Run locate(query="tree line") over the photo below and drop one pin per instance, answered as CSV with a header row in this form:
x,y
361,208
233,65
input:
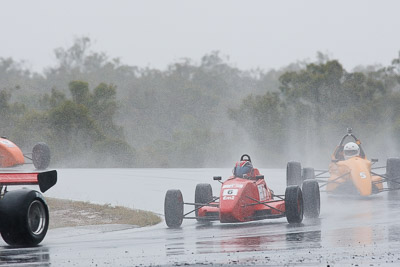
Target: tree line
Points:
x,y
94,111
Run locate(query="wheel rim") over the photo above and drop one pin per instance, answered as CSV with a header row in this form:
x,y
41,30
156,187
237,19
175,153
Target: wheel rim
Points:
x,y
36,217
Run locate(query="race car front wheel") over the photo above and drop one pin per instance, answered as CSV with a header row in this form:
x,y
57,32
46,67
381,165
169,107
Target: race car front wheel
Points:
x,y
294,204
173,208
202,195
41,156
293,173
393,173
24,217
311,198
308,173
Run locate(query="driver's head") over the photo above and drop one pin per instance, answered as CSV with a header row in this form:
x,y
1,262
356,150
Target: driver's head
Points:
x,y
350,150
242,168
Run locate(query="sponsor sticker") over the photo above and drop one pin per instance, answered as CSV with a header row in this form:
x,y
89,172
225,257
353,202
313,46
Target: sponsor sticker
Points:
x,y
233,186
230,192
228,198
262,192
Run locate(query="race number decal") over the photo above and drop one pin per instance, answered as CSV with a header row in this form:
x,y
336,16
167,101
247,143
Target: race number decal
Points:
x,y
363,175
230,192
262,192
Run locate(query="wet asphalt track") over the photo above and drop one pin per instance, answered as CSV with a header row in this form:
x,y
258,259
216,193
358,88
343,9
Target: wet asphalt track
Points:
x,y
351,231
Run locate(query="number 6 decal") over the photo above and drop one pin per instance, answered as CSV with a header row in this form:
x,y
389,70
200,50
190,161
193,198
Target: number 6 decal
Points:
x,y
230,192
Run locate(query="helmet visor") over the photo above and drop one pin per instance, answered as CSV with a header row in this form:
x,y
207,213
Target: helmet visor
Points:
x,y
351,153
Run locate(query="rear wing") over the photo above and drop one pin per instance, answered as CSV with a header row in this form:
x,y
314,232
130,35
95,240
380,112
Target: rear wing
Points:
x,y
45,180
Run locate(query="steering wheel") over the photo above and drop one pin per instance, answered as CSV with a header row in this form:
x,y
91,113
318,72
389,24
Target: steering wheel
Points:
x,y
242,158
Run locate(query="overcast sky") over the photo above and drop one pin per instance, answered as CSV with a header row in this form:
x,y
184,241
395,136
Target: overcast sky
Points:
x,y
265,34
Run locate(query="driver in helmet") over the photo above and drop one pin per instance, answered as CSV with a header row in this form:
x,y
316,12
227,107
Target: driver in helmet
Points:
x,y
350,150
245,169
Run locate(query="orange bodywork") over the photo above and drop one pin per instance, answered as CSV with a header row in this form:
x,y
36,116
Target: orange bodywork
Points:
x,y
354,172
10,154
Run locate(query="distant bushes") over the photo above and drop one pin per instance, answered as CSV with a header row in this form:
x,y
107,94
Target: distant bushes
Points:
x,y
195,114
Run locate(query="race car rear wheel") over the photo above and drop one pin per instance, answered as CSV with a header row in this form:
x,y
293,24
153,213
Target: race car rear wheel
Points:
x,y
294,204
308,173
25,217
173,208
202,195
393,173
311,198
41,156
293,173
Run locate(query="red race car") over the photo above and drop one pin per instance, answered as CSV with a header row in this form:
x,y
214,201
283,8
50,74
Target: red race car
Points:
x,y
11,155
244,197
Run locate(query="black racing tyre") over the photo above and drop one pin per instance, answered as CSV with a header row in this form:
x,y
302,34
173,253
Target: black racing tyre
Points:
x,y
24,217
41,156
393,173
311,198
294,204
293,173
173,208
308,173
202,195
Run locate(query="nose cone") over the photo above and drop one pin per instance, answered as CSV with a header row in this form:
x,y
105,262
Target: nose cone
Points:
x,y
10,154
361,175
234,201
229,206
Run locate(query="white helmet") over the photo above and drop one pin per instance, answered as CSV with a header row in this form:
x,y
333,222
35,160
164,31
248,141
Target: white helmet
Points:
x,y
351,149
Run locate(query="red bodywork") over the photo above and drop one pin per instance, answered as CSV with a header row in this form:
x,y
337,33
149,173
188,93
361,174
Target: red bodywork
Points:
x,y
18,178
242,200
45,180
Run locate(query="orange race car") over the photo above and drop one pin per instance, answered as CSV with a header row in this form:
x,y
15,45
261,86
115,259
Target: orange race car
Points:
x,y
350,171
11,155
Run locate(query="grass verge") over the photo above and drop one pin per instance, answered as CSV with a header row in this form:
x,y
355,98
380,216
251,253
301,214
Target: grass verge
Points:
x,y
67,213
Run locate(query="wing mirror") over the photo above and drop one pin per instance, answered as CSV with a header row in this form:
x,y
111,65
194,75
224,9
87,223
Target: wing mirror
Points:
x,y
335,160
258,177
374,160
217,178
